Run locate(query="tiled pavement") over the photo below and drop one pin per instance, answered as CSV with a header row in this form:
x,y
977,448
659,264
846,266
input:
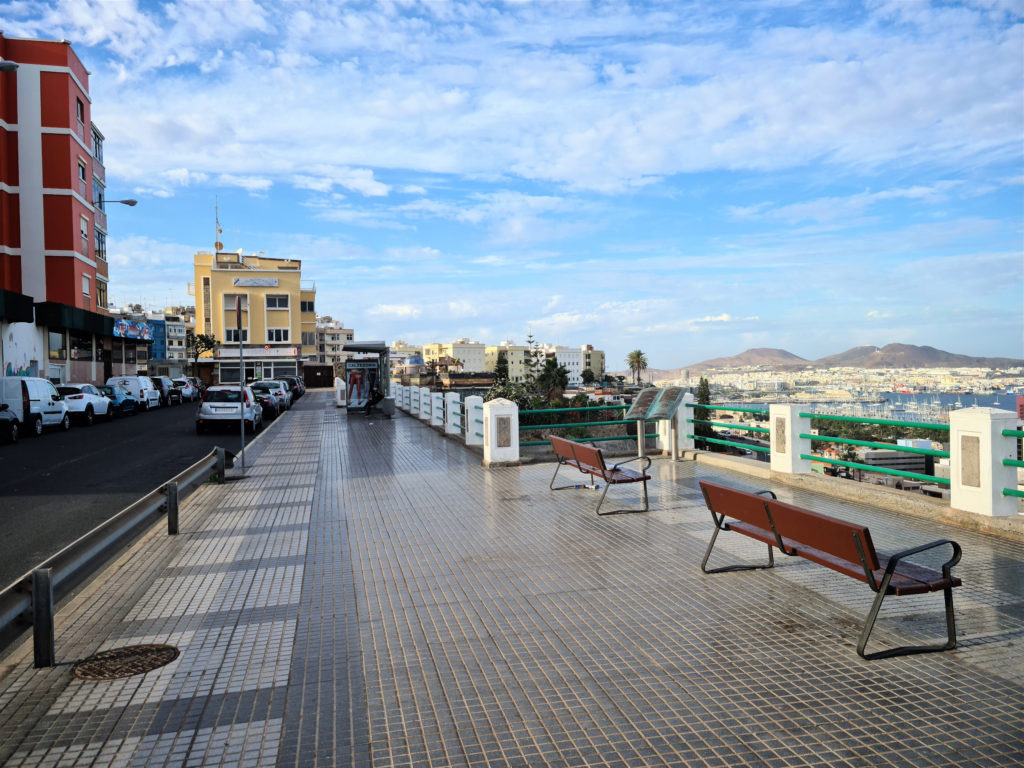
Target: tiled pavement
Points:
x,y
369,595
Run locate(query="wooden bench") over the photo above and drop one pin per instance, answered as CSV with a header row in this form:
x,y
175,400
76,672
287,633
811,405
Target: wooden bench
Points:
x,y
844,547
590,461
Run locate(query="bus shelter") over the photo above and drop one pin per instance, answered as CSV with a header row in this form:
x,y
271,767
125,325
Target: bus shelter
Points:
x,y
368,377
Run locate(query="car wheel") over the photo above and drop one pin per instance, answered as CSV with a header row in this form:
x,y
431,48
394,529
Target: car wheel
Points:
x,y
109,415
37,426
65,423
145,405
89,417
12,431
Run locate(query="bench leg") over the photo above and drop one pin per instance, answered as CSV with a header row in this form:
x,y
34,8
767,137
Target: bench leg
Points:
x,y
907,650
551,485
726,568
621,511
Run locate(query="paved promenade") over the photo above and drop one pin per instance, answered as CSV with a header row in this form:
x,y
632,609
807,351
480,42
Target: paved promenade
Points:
x,y
369,595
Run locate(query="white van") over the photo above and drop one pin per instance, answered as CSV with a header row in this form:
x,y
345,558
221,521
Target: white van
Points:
x,y
34,402
139,387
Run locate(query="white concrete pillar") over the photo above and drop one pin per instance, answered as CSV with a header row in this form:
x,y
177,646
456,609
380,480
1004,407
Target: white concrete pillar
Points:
x,y
407,398
786,426
452,413
682,442
339,392
437,409
472,412
977,448
501,432
424,412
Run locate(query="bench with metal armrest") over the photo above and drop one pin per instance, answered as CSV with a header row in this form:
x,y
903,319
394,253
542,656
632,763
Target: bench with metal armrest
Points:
x,y
590,461
844,547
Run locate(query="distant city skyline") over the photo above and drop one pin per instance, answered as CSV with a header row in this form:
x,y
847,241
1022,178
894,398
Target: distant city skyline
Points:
x,y
693,180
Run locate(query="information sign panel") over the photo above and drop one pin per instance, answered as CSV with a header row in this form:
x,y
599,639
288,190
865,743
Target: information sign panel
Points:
x,y
641,403
668,402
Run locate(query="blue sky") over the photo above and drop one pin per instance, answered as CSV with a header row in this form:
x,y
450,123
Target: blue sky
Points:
x,y
690,179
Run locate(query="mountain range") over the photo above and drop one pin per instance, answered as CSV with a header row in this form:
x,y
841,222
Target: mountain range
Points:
x,y
889,356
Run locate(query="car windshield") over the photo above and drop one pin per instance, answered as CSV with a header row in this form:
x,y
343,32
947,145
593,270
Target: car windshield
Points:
x,y
263,387
222,396
179,382
68,390
105,390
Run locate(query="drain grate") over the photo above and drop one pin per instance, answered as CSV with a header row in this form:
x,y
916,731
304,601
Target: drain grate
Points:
x,y
124,662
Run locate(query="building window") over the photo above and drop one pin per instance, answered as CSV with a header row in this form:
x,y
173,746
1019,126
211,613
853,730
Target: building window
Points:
x,y
85,286
229,300
57,350
306,306
308,339
83,226
101,294
98,195
81,347
101,245
83,180
277,302
231,335
97,145
277,334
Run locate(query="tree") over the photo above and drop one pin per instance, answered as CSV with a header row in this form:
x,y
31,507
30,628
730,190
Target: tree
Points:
x,y
501,368
196,344
703,414
533,361
588,376
637,362
552,380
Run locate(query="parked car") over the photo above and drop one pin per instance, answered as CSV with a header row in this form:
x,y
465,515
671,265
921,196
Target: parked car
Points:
x,y
300,385
121,402
169,394
278,389
199,385
85,403
221,406
188,391
9,430
292,383
271,408
139,387
35,403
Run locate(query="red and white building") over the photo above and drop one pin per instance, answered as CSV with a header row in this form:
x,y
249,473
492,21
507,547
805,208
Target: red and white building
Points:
x,y
53,227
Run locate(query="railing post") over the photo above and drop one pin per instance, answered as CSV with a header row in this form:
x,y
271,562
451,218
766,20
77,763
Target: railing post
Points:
x,y
786,425
424,412
43,646
501,432
451,413
221,465
172,509
437,409
976,452
471,411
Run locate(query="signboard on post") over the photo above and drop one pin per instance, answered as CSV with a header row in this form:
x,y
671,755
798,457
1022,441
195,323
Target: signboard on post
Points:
x,y
642,403
668,402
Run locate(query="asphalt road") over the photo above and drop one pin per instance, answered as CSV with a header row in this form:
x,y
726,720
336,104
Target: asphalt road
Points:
x,y
56,487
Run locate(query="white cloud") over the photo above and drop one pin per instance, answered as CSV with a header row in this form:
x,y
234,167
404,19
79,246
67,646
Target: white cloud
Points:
x,y
462,308
251,184
394,310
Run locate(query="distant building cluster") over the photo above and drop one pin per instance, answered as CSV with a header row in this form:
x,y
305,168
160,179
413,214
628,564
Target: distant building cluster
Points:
x,y
466,356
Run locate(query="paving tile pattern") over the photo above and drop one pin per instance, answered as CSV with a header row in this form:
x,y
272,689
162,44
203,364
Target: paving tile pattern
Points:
x,y
370,596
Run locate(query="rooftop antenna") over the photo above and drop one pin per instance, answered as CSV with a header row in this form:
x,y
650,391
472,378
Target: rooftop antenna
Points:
x,y
218,245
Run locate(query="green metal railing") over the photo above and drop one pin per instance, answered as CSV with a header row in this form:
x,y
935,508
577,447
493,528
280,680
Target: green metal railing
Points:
x,y
871,444
571,425
731,443
1013,463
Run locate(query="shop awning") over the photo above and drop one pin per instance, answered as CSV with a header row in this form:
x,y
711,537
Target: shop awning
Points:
x,y
61,316
15,307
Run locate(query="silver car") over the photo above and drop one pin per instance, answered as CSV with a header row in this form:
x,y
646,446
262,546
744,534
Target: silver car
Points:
x,y
221,406
278,390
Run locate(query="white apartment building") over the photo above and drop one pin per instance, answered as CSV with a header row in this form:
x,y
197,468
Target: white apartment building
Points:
x,y
176,327
331,336
570,358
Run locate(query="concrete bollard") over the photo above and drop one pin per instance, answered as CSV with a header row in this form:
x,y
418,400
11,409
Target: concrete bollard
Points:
x,y
43,646
977,448
501,432
786,425
424,412
452,413
472,413
172,509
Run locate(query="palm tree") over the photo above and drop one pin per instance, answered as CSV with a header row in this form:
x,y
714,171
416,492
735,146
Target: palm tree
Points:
x,y
637,362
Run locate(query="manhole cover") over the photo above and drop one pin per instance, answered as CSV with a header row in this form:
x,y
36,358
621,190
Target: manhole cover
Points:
x,y
125,662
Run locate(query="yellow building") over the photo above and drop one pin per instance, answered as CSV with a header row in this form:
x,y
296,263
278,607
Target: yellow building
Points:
x,y
278,314
515,355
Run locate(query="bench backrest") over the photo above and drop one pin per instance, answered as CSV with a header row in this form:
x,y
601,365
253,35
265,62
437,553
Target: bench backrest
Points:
x,y
825,540
734,503
583,454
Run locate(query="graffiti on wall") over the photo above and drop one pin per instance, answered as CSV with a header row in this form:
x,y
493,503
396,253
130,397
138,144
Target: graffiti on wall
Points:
x,y
22,344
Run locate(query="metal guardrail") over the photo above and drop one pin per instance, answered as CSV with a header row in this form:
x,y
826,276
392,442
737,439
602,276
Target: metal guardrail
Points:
x,y
58,576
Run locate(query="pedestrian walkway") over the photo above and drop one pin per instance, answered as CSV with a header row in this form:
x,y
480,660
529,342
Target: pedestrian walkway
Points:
x,y
369,595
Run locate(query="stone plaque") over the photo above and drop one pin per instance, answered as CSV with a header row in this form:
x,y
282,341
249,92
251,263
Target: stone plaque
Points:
x,y
504,431
970,461
780,434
